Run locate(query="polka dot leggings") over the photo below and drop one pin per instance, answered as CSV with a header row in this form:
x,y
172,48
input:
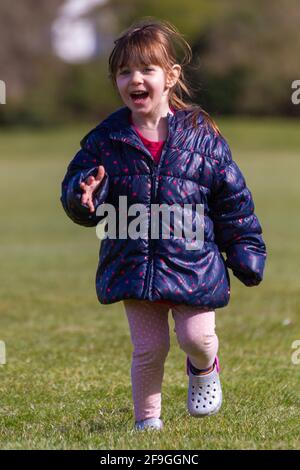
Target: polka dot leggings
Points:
x,y
149,330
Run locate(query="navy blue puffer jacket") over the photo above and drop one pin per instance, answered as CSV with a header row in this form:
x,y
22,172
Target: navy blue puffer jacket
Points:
x,y
196,167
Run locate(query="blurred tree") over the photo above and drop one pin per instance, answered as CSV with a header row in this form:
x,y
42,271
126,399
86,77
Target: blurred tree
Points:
x,y
251,58
25,41
245,57
191,18
42,89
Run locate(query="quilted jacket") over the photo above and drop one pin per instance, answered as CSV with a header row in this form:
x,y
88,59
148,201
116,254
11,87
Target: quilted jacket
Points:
x,y
196,167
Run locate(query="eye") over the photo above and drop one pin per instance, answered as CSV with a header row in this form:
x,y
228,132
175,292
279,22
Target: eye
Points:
x,y
123,72
149,69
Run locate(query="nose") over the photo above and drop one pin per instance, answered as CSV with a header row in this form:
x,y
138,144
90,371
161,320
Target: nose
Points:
x,y
136,77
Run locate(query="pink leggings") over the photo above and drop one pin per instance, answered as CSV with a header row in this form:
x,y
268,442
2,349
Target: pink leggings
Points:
x,y
149,330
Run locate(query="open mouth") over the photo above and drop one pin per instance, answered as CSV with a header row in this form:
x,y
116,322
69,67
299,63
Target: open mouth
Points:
x,y
139,96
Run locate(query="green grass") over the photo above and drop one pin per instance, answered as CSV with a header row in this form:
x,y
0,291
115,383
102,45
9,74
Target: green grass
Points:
x,y
66,383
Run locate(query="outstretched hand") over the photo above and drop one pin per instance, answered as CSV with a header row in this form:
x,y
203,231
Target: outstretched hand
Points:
x,y
90,186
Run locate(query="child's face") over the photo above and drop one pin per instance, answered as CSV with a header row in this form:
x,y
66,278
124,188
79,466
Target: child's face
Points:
x,y
151,80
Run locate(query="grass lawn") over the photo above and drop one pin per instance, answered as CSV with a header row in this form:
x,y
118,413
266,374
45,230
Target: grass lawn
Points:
x,y
66,383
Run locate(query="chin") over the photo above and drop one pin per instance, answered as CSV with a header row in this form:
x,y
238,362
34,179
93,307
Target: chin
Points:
x,y
140,111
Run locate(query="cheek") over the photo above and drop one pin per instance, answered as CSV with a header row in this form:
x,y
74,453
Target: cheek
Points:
x,y
120,86
158,85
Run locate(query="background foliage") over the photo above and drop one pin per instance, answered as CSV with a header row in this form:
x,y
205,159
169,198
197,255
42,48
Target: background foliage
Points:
x,y
245,58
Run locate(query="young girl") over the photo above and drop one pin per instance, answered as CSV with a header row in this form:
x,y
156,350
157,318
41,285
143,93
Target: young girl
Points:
x,y
159,149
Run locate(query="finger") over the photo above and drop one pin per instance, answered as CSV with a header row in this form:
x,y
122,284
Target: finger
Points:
x,y
88,192
90,180
85,199
91,205
100,173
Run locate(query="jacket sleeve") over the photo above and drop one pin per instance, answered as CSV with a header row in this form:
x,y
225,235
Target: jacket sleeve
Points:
x,y
238,232
84,164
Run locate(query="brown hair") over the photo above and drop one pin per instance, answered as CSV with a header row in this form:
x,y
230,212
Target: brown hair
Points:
x,y
151,41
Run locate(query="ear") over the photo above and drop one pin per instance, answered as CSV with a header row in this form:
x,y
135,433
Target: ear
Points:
x,y
173,76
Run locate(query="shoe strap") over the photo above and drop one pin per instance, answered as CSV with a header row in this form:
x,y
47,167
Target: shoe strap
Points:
x,y
217,363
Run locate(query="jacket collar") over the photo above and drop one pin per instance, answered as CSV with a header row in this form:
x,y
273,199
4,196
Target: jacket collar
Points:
x,y
120,127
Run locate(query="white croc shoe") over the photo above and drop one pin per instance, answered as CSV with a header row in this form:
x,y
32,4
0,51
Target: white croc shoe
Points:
x,y
150,423
205,392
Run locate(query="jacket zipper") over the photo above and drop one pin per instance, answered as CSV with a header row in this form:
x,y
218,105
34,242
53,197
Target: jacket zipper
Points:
x,y
154,187
153,175
155,169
